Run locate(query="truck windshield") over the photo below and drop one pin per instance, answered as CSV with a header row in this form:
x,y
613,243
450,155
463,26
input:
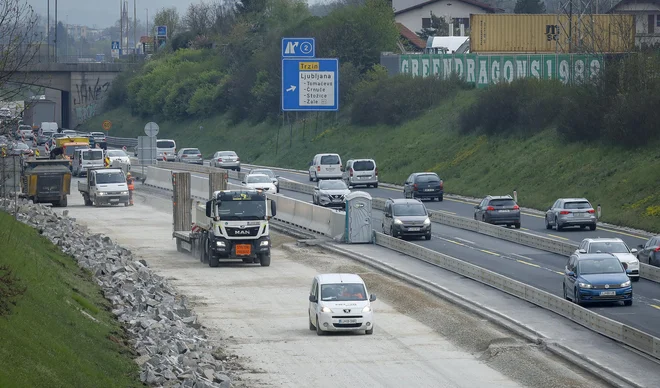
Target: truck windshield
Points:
x,y
110,177
70,150
242,210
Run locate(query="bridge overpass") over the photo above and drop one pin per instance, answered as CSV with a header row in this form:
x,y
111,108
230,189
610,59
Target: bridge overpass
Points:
x,y
83,87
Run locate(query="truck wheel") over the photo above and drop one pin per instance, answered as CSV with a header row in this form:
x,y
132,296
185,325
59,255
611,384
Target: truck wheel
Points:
x,y
88,202
63,202
214,261
264,259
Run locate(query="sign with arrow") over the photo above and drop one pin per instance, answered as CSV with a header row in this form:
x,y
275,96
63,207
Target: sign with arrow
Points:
x,y
310,84
298,48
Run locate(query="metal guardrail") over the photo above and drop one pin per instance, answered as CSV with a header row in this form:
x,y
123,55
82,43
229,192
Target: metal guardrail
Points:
x,y
121,141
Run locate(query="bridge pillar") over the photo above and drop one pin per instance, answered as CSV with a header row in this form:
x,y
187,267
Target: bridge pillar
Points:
x,y
89,90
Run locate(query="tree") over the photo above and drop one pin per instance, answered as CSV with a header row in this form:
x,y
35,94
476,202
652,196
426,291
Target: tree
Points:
x,y
439,27
198,18
19,45
530,6
246,7
168,17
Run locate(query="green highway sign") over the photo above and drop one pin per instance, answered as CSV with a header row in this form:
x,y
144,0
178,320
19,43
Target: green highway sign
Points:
x,y
484,70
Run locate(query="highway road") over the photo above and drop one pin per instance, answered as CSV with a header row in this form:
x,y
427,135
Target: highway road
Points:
x,y
535,267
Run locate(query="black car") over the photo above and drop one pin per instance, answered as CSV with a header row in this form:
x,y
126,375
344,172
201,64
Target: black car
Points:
x,y
498,210
424,185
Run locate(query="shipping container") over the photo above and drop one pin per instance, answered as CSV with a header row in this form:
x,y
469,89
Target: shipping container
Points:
x,y
549,33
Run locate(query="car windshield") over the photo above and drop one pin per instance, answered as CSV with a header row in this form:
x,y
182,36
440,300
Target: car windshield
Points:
x,y
242,210
92,155
502,202
97,134
269,173
21,146
330,159
332,185
25,128
343,292
165,144
363,165
110,177
577,205
258,179
226,154
117,154
192,151
600,266
408,210
608,247
70,150
427,178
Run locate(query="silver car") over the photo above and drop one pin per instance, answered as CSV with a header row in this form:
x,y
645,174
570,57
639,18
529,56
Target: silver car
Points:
x,y
274,178
330,193
360,172
227,160
571,212
190,155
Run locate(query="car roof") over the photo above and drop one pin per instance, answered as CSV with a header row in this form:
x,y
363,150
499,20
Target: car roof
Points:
x,y
403,201
499,197
189,148
219,152
603,239
416,174
259,169
593,256
259,175
574,199
360,159
328,278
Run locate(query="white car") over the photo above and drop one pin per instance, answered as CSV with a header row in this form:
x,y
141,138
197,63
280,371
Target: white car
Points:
x,y
259,182
618,248
119,159
339,302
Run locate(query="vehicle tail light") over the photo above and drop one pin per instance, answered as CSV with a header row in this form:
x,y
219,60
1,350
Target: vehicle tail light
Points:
x,y
219,159
184,155
415,187
376,171
350,171
490,208
564,212
657,249
237,159
318,168
516,207
199,155
442,184
592,211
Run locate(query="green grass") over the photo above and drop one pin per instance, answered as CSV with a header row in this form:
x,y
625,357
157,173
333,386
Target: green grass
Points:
x,y
46,340
542,168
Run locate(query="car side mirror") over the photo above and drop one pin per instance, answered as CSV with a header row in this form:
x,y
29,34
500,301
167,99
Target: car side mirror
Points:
x,y
316,188
388,215
273,208
342,169
372,298
570,273
634,250
640,246
312,298
476,206
310,164
582,251
278,176
209,205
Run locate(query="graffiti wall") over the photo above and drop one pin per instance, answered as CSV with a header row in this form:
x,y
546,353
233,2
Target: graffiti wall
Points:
x,y
88,94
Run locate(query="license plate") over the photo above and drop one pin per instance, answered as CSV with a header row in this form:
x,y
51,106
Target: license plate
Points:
x,y
243,249
429,190
505,211
329,169
607,293
580,214
414,229
114,200
347,321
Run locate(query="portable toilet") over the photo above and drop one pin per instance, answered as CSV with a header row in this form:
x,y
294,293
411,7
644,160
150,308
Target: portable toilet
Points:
x,y
358,218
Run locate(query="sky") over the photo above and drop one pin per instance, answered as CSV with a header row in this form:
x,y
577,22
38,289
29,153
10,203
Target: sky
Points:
x,y
104,13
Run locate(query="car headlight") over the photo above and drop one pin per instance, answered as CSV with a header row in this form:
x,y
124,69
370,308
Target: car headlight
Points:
x,y
625,284
585,285
101,193
124,193
427,221
326,310
397,221
366,309
264,243
220,243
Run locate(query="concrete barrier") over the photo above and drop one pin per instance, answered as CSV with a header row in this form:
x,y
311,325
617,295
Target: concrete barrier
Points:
x,y
593,321
159,178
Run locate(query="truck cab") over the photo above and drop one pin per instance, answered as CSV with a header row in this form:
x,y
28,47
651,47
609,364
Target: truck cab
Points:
x,y
86,158
104,186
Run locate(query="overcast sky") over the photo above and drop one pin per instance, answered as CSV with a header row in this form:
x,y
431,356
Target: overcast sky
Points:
x,y
104,13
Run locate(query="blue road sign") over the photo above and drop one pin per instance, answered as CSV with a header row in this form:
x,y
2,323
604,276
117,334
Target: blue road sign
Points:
x,y
310,84
115,45
298,48
161,31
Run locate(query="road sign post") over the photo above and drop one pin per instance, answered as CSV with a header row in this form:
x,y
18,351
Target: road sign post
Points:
x,y
298,48
310,84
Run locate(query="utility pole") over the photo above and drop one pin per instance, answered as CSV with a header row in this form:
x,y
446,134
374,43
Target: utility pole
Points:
x,y
48,27
56,31
134,26
147,34
121,28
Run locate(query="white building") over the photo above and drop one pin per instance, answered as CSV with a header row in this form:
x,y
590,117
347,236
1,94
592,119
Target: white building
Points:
x,y
416,14
647,19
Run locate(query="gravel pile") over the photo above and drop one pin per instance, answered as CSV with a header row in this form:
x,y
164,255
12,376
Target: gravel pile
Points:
x,y
173,351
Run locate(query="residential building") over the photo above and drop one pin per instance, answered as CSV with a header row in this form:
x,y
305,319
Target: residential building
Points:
x,y
647,19
416,14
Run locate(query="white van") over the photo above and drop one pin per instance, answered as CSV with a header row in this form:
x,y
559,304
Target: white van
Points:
x,y
361,172
325,166
166,150
48,127
339,302
84,159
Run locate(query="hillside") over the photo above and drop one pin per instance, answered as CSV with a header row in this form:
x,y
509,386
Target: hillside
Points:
x,y
541,166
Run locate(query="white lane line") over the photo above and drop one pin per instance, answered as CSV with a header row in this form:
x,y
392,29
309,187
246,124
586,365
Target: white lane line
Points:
x,y
522,257
464,240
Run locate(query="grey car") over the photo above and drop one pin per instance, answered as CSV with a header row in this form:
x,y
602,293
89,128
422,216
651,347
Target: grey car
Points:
x,y
227,160
498,210
330,193
360,172
406,217
274,178
571,212
650,252
190,155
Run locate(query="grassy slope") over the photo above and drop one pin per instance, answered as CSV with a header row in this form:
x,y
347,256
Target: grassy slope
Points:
x,y
46,341
541,168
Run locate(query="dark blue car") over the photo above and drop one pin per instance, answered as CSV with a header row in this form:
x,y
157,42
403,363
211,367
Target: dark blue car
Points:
x,y
596,277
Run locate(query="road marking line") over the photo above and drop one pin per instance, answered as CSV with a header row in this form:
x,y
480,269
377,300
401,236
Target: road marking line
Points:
x,y
624,233
560,237
533,215
531,264
464,240
655,306
561,273
523,257
489,252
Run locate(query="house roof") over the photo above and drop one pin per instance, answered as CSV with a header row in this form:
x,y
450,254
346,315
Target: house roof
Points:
x,y
476,3
411,36
622,2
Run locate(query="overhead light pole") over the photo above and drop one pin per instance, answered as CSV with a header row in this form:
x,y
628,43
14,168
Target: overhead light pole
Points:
x,y
48,28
